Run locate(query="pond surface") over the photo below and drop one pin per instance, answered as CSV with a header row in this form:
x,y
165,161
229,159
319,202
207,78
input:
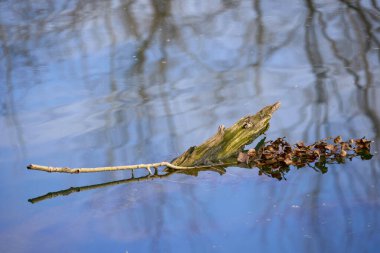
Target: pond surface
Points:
x,y
96,83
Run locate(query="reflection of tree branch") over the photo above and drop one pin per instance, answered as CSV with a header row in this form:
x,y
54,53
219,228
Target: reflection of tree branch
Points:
x,y
346,63
130,19
316,64
161,13
369,110
260,34
363,51
132,179
313,53
375,5
71,190
365,22
9,103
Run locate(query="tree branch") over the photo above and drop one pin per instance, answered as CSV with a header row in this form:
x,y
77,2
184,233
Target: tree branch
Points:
x,y
219,150
123,167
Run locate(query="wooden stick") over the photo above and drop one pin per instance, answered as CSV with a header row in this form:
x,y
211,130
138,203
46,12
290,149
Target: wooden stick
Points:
x,y
114,168
218,150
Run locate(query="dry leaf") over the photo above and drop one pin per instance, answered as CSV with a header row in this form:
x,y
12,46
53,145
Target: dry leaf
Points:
x,y
242,157
275,157
288,161
251,152
338,139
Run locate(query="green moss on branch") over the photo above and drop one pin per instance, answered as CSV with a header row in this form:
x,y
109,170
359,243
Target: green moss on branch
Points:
x,y
228,142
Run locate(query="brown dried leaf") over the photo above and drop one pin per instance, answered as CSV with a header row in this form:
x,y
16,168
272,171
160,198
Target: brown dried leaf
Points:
x,y
268,156
345,146
300,144
251,152
288,161
338,139
242,157
276,156
271,161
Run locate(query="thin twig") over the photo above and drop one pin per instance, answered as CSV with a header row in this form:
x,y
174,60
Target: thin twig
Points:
x,y
132,179
114,168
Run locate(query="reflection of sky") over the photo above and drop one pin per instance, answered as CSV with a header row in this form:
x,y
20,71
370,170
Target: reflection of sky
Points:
x,y
100,83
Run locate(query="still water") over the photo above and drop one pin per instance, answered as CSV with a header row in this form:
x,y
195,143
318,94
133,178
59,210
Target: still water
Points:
x,y
96,83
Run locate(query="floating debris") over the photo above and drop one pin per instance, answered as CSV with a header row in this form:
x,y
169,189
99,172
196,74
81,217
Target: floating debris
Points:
x,y
274,158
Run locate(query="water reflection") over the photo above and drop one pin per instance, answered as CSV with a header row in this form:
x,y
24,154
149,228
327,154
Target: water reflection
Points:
x,y
94,83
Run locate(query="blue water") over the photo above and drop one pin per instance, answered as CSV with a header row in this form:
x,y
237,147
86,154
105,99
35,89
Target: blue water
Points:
x,y
97,83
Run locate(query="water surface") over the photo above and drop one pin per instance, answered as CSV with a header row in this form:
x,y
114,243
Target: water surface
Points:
x,y
96,83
